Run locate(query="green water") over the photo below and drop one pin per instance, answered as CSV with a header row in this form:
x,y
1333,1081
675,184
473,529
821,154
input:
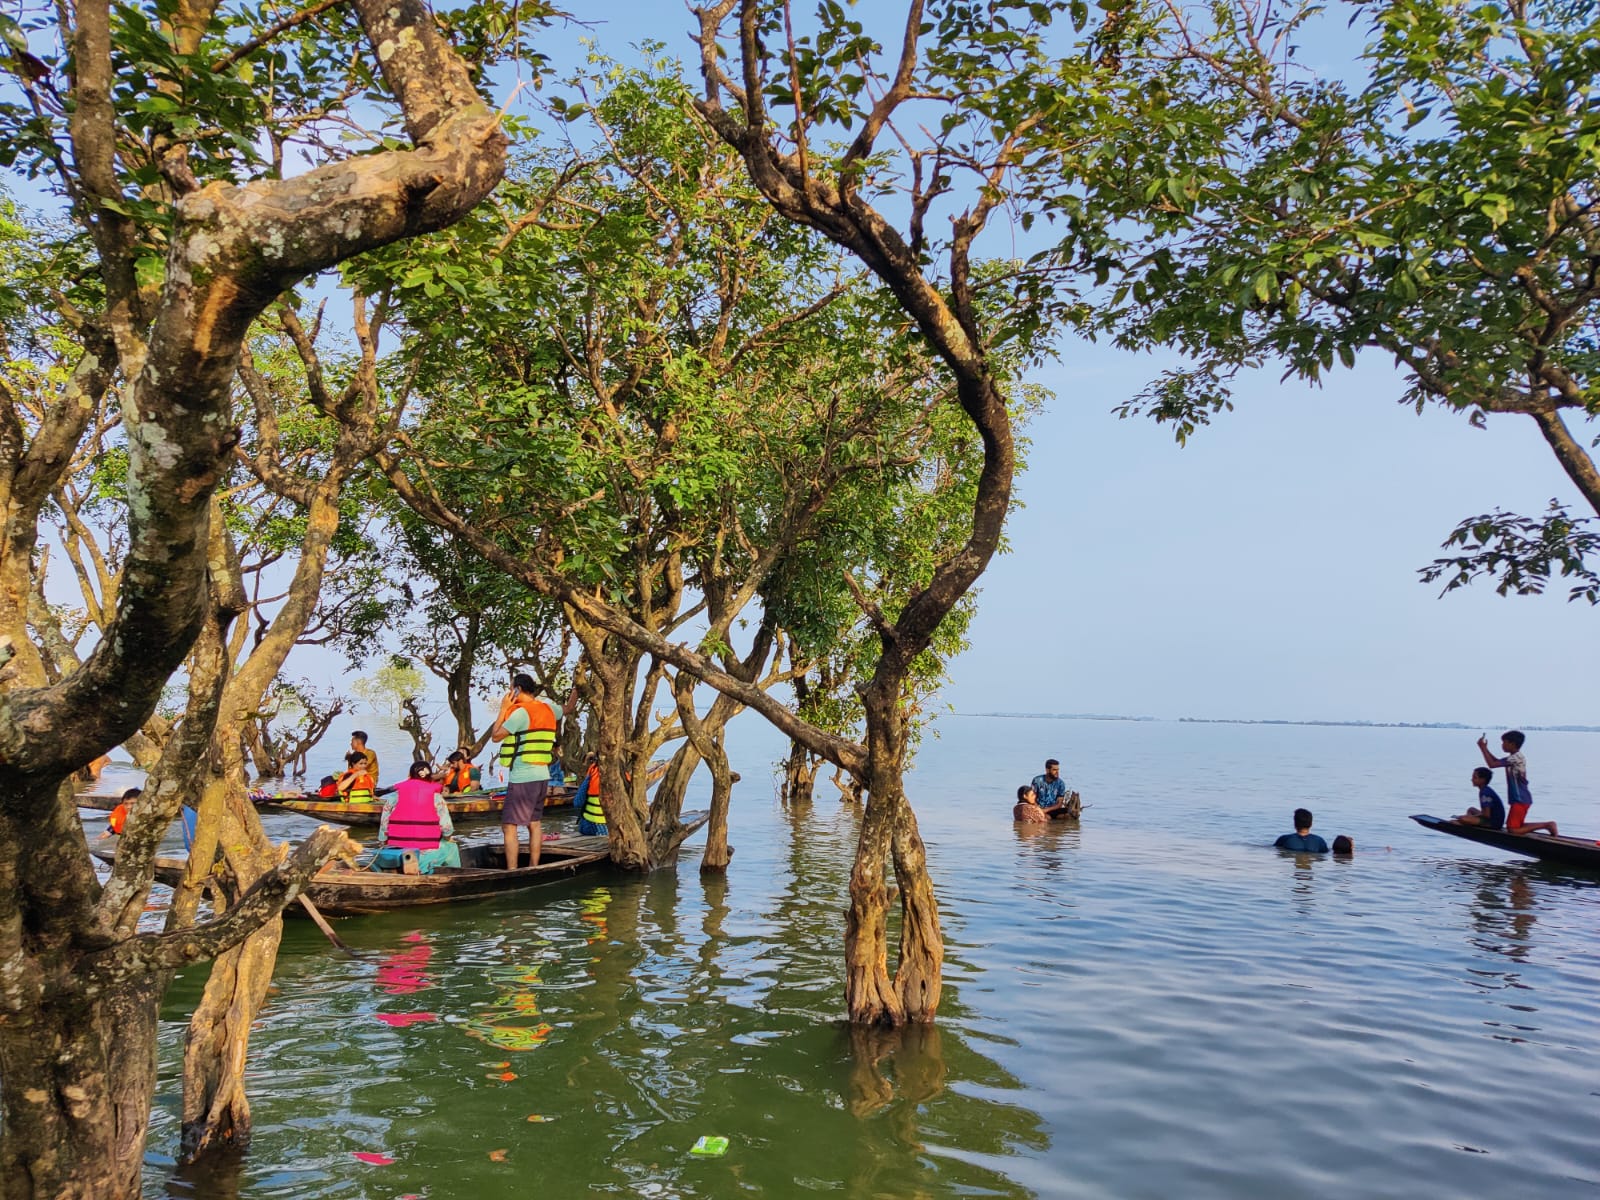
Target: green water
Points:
x,y
1154,1005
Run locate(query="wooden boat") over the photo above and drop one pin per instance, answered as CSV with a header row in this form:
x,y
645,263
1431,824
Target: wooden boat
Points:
x,y
97,802
342,891
1573,852
468,806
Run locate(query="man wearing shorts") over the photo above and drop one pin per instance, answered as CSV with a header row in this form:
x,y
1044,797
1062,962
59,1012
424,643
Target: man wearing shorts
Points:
x,y
526,731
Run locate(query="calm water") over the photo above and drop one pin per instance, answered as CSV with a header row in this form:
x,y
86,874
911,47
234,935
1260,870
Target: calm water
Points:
x,y
1154,1005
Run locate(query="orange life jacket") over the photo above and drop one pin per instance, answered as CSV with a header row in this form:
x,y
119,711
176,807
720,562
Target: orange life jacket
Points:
x,y
362,790
119,818
536,745
458,777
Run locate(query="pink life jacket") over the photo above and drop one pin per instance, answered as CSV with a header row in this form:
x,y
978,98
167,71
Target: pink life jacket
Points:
x,y
414,824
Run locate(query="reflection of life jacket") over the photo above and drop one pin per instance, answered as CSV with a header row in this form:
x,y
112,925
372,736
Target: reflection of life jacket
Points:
x,y
458,777
119,818
536,746
414,822
592,811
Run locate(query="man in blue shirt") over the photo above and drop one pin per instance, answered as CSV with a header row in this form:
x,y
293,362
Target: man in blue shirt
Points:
x,y
1302,840
1050,788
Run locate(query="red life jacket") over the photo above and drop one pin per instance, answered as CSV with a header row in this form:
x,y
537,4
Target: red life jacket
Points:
x,y
414,823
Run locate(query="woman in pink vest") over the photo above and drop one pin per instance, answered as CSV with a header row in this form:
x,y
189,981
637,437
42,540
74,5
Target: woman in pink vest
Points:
x,y
415,828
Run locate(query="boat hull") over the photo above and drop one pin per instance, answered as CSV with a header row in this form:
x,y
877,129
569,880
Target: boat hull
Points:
x,y
1572,852
342,891
483,806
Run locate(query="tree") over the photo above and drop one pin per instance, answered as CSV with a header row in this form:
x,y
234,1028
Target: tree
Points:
x,y
148,127
1437,204
619,442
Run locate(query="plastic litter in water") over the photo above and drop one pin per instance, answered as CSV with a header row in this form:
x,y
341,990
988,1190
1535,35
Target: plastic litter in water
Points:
x,y
710,1147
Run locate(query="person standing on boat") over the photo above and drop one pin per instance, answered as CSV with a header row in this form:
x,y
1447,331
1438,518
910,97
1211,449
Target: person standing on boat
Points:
x,y
415,829
358,745
1518,797
526,732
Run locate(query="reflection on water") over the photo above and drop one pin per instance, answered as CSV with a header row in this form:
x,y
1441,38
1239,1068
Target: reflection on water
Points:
x,y
1146,1005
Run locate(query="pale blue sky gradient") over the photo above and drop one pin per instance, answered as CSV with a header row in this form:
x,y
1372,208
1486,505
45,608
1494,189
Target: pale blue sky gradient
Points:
x,y
1268,569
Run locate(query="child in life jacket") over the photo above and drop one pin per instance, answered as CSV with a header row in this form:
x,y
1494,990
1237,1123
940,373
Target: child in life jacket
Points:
x,y
119,815
356,785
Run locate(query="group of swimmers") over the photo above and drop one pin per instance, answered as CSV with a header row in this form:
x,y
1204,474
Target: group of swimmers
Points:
x,y
1047,798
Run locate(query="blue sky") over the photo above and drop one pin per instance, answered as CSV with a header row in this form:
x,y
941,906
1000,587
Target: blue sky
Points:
x,y
1268,569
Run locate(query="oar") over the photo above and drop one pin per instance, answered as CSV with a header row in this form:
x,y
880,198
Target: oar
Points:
x,y
322,924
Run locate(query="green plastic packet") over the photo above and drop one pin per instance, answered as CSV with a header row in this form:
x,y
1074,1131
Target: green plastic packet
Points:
x,y
710,1147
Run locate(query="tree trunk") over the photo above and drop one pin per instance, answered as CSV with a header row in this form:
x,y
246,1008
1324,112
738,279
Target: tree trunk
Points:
x,y
216,1111
889,834
458,684
76,1129
718,853
799,774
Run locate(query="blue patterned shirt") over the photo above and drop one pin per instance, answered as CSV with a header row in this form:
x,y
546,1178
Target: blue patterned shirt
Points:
x,y
1050,792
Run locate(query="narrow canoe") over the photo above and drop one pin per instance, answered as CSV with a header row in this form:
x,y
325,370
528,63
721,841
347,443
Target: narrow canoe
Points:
x,y
1575,852
342,891
468,806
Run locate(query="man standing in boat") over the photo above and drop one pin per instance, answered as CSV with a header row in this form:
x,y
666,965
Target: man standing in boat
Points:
x,y
526,732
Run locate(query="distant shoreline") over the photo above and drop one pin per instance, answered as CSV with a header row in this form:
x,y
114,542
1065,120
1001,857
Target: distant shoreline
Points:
x,y
1275,721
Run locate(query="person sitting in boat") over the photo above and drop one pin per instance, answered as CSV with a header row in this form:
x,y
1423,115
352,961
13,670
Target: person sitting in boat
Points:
x,y
1490,811
1302,840
328,789
1518,797
1027,810
591,815
460,775
356,784
358,745
119,815
415,830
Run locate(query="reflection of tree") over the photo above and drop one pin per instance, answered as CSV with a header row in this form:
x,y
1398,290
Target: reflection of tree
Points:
x,y
916,1056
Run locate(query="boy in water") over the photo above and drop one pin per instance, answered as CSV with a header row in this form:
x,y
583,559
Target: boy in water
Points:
x,y
1517,794
1490,811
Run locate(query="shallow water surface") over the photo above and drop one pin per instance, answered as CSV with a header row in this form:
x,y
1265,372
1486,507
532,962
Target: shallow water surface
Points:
x,y
1151,1005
